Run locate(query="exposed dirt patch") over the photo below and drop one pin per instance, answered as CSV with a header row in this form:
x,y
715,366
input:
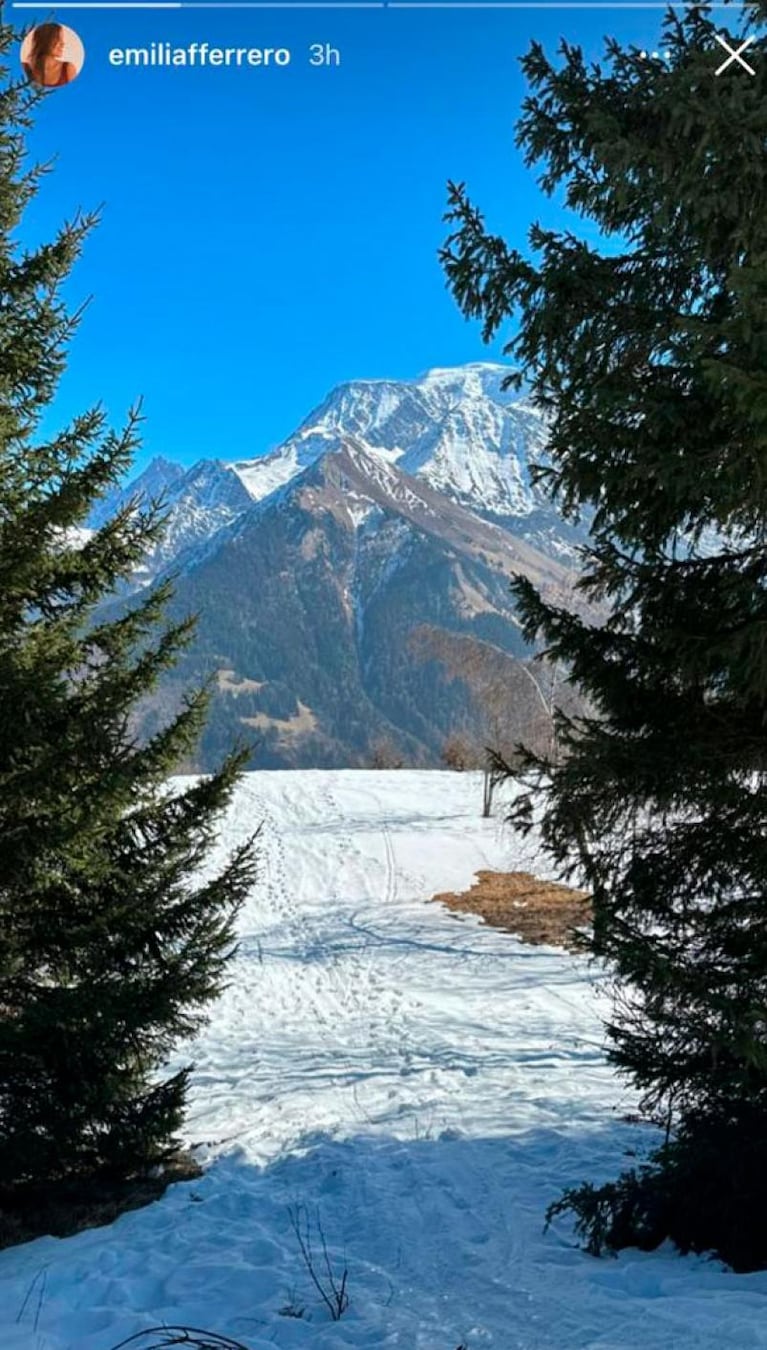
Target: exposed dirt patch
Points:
x,y
535,911
303,722
229,682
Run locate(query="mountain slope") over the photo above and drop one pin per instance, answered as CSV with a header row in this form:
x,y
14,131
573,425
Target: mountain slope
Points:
x,y
315,604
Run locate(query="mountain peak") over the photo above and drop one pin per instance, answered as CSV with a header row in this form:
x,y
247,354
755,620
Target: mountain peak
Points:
x,y
456,430
456,427
154,481
484,371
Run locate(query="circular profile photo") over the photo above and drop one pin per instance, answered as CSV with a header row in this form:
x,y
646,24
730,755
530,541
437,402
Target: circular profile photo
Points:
x,y
52,55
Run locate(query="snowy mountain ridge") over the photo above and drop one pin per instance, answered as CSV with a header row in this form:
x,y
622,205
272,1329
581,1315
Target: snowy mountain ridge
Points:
x,y
456,429
198,503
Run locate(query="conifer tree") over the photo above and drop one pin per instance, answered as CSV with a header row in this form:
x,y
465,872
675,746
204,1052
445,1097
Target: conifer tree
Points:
x,y
649,355
110,944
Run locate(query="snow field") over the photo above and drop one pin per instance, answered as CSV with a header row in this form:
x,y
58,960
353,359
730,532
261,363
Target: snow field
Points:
x,y
422,1084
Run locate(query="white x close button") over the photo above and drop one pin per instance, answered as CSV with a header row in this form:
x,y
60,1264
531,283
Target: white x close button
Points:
x,y
735,54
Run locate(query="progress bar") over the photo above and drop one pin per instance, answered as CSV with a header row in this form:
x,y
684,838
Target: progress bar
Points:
x,y
606,5
202,4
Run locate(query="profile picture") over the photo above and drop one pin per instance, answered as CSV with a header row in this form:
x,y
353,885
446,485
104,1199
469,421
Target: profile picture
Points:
x,y
52,55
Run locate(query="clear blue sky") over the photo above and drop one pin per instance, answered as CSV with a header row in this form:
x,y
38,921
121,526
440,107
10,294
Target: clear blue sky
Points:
x,y
268,234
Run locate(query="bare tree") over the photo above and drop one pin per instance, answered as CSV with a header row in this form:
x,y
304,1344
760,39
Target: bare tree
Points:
x,y
385,755
513,702
458,753
330,1287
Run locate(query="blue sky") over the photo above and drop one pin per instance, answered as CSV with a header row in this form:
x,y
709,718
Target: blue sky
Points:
x,y
267,234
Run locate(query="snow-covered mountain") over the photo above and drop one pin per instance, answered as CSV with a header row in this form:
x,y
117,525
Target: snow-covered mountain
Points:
x,y
458,429
198,503
353,587
208,497
156,481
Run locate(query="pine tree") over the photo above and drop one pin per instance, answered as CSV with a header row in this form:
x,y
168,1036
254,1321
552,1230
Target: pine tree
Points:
x,y
649,354
110,944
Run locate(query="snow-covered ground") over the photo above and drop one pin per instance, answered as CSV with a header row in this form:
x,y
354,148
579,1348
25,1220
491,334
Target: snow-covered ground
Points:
x,y
423,1084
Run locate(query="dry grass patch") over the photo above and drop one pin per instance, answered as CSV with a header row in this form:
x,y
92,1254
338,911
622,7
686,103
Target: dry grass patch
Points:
x,y
535,911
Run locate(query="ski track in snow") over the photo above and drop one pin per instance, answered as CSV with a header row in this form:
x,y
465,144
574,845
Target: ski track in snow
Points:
x,y
424,1083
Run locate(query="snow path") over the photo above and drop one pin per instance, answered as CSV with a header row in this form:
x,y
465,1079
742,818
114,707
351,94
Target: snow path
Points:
x,y
426,1084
